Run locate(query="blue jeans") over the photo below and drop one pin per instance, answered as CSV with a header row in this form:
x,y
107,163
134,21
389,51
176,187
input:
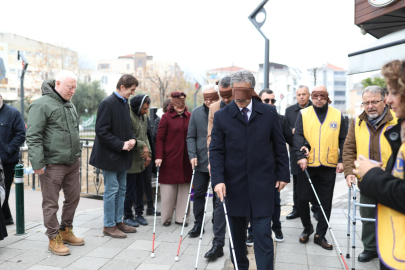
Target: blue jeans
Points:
x,y
115,184
276,214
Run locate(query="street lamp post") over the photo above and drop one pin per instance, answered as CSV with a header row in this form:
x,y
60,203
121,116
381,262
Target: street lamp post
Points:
x,y
258,18
24,69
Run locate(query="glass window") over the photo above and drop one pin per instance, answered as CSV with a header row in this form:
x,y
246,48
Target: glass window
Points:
x,y
13,51
340,93
140,63
340,102
128,66
213,76
359,93
340,83
104,80
339,73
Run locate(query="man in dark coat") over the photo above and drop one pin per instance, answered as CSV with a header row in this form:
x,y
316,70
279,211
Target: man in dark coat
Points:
x,y
112,153
242,167
12,136
291,113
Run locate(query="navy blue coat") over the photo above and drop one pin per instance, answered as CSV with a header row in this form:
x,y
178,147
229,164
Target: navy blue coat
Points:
x,y
241,157
12,133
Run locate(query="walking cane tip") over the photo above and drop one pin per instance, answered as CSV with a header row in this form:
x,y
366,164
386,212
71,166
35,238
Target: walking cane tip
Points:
x,y
177,258
152,255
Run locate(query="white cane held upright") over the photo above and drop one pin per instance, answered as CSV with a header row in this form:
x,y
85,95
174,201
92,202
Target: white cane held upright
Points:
x,y
154,218
203,223
185,216
230,235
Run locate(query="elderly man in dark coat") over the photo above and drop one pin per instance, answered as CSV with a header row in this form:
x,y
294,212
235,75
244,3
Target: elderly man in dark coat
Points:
x,y
242,167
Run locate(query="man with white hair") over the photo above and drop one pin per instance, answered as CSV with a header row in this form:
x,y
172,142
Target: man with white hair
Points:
x,y
197,152
54,151
366,138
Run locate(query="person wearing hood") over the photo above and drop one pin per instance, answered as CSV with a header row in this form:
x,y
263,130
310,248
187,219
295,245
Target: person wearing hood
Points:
x,y
324,128
142,154
54,152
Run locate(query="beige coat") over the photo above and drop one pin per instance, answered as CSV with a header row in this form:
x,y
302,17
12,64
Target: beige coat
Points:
x,y
214,107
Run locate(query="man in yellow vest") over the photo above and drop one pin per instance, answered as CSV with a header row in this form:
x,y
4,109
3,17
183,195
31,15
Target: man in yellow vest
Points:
x,y
366,138
324,128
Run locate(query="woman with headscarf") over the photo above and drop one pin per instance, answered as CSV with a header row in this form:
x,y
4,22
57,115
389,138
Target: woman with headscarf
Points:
x,y
387,186
172,158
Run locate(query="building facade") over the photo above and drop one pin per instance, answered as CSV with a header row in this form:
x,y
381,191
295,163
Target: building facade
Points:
x,y
45,61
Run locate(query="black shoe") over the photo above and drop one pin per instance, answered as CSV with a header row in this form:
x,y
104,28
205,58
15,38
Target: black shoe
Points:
x,y
249,240
212,220
151,212
195,231
316,217
279,237
131,222
141,220
367,256
293,214
181,223
9,221
321,240
304,237
214,252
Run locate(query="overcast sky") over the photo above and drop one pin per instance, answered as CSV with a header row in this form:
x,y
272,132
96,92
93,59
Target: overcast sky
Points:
x,y
198,35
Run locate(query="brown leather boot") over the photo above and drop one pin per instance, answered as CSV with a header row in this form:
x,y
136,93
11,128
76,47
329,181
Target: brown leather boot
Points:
x,y
114,232
125,228
321,240
69,238
57,247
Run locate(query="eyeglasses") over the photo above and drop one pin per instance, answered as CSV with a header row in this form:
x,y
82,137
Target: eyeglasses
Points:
x,y
273,101
366,104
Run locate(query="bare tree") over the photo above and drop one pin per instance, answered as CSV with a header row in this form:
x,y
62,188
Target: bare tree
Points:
x,y
314,72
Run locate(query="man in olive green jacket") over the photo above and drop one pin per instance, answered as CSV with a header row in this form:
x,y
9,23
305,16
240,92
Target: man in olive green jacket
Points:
x,y
54,151
141,159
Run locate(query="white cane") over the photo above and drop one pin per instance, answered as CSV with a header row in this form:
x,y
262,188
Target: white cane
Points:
x,y
185,216
154,218
230,235
203,223
326,219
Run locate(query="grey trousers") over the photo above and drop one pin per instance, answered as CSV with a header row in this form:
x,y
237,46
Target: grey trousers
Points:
x,y
55,178
219,223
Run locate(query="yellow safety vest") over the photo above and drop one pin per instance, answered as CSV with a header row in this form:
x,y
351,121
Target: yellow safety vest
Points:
x,y
362,132
322,137
390,226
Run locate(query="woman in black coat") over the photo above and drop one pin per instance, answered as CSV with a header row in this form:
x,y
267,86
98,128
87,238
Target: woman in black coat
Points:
x,y
387,186
3,230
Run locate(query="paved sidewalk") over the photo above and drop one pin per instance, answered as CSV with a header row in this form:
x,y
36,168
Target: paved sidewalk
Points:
x,y
102,252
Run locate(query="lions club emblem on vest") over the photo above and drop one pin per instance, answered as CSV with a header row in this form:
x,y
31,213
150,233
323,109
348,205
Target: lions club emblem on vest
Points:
x,y
333,125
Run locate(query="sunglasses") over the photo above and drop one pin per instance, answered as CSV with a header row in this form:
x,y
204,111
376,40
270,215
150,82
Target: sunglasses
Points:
x,y
267,101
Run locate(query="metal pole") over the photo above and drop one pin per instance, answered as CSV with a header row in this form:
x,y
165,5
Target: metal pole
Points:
x,y
19,199
24,69
266,65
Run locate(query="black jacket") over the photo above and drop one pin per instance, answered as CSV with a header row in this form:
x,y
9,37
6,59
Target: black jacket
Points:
x,y
291,113
152,146
381,185
113,128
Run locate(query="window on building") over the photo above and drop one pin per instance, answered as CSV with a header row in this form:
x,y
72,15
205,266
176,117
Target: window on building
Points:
x,y
103,66
340,93
127,66
340,102
151,67
104,80
13,89
139,74
340,83
13,51
213,76
339,73
13,70
140,63
359,93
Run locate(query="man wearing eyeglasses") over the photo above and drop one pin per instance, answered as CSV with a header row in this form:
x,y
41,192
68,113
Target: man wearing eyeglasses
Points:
x,y
267,97
366,138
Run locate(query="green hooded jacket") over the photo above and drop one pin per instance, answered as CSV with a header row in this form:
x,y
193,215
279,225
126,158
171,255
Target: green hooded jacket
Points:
x,y
140,128
52,129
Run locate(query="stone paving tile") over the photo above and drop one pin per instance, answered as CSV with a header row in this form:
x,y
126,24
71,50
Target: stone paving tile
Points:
x,y
14,265
148,266
27,244
40,236
161,259
293,248
104,252
143,245
290,266
118,243
43,267
31,256
188,262
120,264
86,263
285,257
8,253
171,248
59,261
10,239
133,255
324,262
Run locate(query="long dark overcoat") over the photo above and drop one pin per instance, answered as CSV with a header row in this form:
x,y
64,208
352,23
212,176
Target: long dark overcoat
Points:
x,y
171,147
241,157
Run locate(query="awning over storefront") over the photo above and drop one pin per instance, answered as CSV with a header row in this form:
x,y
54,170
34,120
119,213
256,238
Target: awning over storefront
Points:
x,y
376,54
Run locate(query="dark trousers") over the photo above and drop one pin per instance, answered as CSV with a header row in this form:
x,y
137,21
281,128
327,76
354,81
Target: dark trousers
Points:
x,y
147,185
264,250
276,224
324,178
201,180
9,177
315,205
219,223
133,195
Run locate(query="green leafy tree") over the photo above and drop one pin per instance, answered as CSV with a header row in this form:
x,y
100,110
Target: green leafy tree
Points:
x,y
87,97
374,81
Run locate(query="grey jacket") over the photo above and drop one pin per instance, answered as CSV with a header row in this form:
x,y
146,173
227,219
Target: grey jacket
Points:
x,y
197,138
